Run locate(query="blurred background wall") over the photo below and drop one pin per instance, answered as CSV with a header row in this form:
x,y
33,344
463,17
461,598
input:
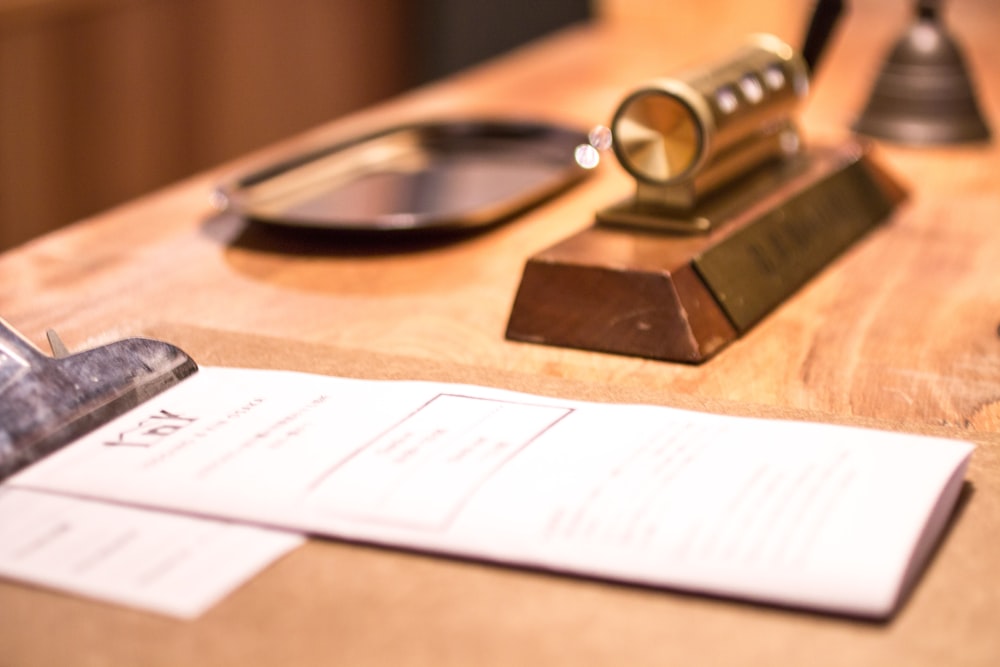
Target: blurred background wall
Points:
x,y
103,100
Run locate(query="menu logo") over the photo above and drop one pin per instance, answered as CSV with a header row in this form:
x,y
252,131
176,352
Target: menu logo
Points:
x,y
151,430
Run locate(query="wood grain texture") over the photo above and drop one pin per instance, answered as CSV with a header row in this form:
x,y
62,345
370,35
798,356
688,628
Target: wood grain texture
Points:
x,y
903,326
901,329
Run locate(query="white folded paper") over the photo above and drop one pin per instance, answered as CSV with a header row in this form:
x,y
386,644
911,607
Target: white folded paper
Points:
x,y
824,517
160,562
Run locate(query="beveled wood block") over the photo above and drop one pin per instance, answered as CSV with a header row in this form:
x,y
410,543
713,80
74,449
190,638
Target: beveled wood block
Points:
x,y
630,288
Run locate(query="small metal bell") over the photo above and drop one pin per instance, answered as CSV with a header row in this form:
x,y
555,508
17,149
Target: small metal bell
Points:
x,y
924,94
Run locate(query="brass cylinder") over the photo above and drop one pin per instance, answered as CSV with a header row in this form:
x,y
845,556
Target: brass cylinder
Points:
x,y
671,128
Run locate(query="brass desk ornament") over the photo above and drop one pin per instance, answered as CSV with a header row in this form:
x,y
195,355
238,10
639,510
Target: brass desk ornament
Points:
x,y
731,215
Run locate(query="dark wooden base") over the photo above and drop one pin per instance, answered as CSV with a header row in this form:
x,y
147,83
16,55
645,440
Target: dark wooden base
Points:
x,y
633,290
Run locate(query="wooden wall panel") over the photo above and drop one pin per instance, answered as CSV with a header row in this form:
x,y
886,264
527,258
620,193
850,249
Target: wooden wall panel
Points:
x,y
101,101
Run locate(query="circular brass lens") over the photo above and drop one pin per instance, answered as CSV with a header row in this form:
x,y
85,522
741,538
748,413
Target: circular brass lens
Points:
x,y
656,136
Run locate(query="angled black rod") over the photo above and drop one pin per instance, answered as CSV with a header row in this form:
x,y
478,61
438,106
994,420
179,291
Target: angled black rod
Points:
x,y
826,13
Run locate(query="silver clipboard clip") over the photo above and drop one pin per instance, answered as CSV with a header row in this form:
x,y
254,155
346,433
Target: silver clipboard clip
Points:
x,y
47,401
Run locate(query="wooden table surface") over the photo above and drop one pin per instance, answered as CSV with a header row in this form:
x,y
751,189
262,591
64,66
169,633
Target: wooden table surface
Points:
x,y
902,329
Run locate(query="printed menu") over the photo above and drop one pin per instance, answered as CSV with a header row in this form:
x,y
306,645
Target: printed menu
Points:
x,y
829,518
